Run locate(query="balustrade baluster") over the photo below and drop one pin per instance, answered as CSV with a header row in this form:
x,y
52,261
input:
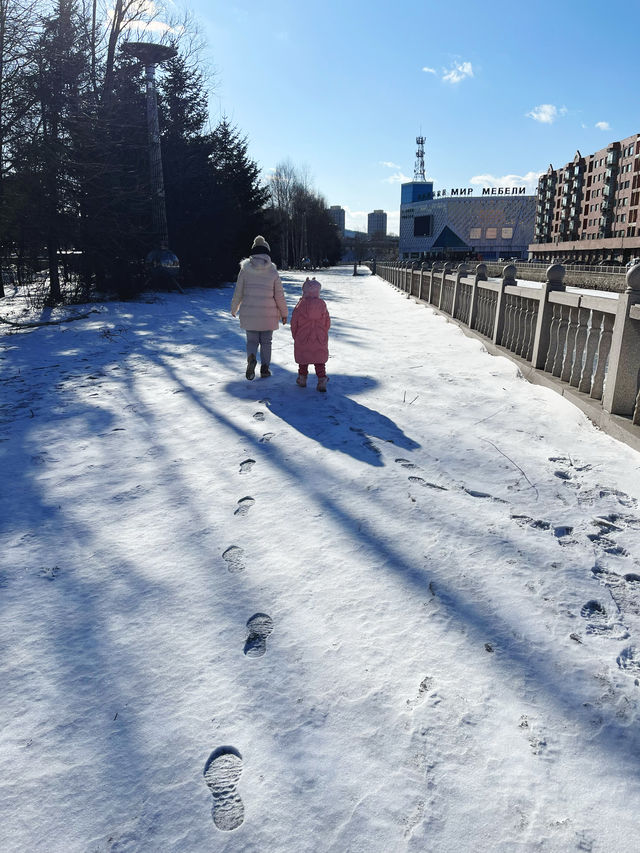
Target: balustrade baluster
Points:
x,y
493,306
603,354
572,328
562,339
532,316
518,331
553,339
507,329
581,339
593,339
482,312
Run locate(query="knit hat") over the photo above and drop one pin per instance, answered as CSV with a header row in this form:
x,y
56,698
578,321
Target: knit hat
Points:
x,y
311,287
260,247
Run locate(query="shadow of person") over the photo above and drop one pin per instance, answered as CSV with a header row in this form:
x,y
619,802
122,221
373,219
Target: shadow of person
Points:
x,y
334,420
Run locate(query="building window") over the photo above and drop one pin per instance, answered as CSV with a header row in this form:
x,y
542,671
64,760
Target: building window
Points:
x,y
507,233
475,233
423,226
491,233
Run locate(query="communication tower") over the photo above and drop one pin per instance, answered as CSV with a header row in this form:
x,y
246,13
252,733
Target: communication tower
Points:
x,y
418,169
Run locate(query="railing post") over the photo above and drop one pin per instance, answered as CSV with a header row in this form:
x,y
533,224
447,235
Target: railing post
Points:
x,y
446,269
508,278
422,266
481,275
414,267
555,281
621,384
460,272
434,267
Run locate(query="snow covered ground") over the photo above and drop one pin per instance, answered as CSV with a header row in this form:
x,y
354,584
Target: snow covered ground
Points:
x,y
446,560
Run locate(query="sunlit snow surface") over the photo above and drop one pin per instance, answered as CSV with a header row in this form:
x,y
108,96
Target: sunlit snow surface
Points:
x,y
403,615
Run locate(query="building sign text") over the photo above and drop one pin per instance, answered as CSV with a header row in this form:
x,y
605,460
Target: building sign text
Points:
x,y
485,191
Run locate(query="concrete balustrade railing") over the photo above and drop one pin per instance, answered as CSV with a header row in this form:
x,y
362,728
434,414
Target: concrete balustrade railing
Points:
x,y
588,343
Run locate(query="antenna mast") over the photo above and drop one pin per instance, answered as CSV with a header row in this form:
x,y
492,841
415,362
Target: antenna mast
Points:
x,y
418,169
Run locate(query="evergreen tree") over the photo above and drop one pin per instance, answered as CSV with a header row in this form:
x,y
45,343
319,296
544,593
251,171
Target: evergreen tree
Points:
x,y
212,188
61,75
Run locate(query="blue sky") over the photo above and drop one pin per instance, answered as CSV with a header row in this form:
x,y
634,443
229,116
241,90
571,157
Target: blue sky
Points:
x,y
497,88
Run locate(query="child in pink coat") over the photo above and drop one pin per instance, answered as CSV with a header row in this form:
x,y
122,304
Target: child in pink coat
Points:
x,y
310,324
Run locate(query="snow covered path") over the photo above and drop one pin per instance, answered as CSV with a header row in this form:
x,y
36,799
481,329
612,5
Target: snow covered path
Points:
x,y
439,564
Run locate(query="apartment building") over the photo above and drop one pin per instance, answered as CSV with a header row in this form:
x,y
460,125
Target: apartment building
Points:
x,y
588,210
338,216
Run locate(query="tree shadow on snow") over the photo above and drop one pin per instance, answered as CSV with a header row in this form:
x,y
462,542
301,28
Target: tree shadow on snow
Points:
x,y
334,420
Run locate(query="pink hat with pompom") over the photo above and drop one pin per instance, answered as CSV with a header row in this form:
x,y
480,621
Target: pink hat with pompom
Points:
x,y
311,287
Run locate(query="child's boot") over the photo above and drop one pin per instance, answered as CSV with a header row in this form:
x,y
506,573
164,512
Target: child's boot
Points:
x,y
301,380
322,383
251,366
264,370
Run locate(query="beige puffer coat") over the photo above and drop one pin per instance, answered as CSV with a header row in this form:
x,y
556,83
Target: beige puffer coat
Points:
x,y
259,295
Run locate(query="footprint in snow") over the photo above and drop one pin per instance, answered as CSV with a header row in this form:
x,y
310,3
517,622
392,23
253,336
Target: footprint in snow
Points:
x,y
562,531
425,686
222,774
419,481
267,437
537,740
629,660
244,505
233,557
599,622
621,497
259,416
405,463
562,475
569,463
260,626
591,496
475,494
526,521
367,442
50,574
608,523
247,465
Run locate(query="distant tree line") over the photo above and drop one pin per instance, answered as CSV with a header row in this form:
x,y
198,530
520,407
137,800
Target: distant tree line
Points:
x,y
300,219
74,170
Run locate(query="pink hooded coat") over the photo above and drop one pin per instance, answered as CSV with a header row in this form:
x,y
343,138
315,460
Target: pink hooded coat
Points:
x,y
310,324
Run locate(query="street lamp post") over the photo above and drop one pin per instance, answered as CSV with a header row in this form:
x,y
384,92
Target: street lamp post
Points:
x,y
161,260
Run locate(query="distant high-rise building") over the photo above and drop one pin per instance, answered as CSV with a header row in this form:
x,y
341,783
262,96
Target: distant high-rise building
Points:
x,y
337,214
377,223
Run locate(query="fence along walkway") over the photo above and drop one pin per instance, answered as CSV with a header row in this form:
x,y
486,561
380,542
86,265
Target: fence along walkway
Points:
x,y
587,346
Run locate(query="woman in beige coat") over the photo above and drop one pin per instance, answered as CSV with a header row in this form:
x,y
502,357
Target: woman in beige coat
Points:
x,y
260,298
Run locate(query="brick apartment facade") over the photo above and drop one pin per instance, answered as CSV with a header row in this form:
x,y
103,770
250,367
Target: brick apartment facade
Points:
x,y
588,210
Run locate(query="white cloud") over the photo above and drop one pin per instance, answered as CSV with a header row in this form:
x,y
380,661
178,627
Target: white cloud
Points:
x,y
397,178
145,17
459,71
603,125
355,220
546,113
429,70
389,165
530,181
